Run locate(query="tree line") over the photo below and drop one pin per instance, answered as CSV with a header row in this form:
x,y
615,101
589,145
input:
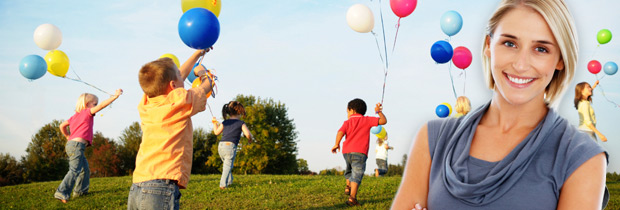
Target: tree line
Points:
x,y
274,152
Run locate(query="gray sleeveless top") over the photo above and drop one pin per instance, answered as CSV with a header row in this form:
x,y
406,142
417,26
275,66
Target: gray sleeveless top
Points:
x,y
529,177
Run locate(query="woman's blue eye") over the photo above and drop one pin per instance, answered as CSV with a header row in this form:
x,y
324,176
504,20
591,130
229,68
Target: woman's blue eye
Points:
x,y
509,44
541,49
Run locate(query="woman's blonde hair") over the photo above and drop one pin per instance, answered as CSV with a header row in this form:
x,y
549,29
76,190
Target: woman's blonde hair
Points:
x,y
562,26
83,100
463,105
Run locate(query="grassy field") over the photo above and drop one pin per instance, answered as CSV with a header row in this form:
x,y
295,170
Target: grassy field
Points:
x,y
248,192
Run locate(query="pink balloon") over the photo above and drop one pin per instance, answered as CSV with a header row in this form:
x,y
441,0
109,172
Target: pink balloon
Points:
x,y
461,57
594,67
403,8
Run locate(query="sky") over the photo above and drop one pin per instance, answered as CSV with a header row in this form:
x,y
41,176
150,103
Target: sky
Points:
x,y
301,53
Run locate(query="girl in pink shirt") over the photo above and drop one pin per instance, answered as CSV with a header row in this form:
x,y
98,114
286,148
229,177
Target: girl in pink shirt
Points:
x,y
79,137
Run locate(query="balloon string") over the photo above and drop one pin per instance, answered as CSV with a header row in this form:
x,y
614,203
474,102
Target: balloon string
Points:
x,y
610,101
379,50
77,80
464,81
384,44
210,109
396,36
452,80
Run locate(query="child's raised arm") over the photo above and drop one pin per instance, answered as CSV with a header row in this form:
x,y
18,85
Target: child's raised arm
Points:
x,y
186,68
379,111
107,102
217,127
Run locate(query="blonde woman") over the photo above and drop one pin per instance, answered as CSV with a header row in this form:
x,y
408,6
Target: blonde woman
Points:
x,y
515,152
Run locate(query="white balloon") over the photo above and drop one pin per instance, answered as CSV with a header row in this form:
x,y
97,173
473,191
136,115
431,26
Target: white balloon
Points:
x,y
47,36
360,18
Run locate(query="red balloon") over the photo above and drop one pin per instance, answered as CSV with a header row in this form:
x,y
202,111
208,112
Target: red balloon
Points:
x,y
461,57
594,67
403,8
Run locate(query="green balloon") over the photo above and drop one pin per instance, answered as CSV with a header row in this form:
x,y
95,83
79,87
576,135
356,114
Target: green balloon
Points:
x,y
603,36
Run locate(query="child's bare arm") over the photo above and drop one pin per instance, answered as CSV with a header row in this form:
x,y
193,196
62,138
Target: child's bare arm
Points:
x,y
247,133
107,102
63,129
336,147
206,81
379,111
186,68
217,127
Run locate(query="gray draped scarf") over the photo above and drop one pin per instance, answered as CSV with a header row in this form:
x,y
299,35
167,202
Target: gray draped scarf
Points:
x,y
504,174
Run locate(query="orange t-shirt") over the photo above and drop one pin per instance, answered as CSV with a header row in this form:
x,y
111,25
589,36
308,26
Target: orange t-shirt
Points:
x,y
166,148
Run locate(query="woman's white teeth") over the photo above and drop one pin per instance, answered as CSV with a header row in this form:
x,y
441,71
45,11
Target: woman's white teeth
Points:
x,y
519,80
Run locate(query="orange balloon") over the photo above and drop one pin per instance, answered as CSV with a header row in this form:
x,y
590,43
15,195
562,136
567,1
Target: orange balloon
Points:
x,y
197,83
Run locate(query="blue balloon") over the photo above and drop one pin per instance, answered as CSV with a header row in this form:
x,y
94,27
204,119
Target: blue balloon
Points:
x,y
191,77
441,51
375,130
199,28
32,67
442,111
610,68
451,22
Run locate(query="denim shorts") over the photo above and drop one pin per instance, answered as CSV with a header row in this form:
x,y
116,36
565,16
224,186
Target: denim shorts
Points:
x,y
154,194
356,165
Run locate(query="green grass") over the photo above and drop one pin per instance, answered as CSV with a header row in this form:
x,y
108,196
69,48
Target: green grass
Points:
x,y
247,192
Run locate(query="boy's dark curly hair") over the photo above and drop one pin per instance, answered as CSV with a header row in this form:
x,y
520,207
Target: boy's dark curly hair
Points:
x,y
357,105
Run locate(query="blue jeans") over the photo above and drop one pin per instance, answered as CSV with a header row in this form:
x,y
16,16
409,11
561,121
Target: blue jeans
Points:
x,y
78,175
228,152
154,194
356,165
382,166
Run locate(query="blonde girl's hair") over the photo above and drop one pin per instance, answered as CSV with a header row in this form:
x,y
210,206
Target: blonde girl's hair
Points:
x,y
380,141
560,21
578,96
463,105
83,100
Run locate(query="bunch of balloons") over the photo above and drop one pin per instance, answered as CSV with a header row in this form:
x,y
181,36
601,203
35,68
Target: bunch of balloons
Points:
x,y
56,62
361,19
610,68
451,23
199,27
378,131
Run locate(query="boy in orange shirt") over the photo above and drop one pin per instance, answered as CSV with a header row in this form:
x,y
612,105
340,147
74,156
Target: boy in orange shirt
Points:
x,y
164,160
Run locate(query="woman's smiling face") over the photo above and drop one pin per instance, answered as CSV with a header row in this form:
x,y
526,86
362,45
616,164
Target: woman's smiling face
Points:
x,y
524,56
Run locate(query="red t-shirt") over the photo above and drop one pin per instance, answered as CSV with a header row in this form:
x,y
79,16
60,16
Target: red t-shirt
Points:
x,y
81,126
357,133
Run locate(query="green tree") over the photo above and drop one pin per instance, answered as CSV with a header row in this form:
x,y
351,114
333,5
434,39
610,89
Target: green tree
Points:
x,y
11,172
46,159
130,140
302,167
102,157
203,145
275,149
397,170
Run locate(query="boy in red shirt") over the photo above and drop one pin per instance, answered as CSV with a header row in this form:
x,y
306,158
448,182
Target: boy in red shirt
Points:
x,y
355,148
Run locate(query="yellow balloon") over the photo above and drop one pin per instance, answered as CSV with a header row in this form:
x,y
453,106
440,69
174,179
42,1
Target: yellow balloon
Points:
x,y
57,63
449,108
174,58
382,133
197,82
212,5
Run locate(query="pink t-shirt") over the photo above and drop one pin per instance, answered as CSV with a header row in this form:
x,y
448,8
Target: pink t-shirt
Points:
x,y
81,126
357,133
